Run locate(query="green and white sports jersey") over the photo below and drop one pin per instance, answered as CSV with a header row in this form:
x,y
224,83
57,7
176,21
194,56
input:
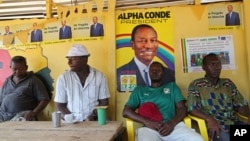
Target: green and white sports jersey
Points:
x,y
164,97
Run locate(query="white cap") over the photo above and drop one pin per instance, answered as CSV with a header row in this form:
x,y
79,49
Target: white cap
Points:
x,y
78,50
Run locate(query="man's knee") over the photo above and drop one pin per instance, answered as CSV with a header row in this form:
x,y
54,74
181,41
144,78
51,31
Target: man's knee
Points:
x,y
146,134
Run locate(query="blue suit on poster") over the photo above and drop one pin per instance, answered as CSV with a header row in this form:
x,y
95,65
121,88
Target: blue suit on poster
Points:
x,y
233,20
131,68
36,36
65,32
96,30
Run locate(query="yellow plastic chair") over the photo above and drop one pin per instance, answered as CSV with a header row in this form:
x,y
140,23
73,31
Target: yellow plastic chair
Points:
x,y
242,118
131,128
201,125
203,128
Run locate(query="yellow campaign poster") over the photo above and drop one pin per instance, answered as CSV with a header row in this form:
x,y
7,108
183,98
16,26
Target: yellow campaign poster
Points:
x,y
82,28
31,38
143,36
225,16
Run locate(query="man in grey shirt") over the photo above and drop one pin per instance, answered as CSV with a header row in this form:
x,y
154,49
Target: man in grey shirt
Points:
x,y
23,95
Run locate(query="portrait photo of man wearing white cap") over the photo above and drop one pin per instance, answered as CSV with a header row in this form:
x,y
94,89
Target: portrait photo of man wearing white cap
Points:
x,y
82,88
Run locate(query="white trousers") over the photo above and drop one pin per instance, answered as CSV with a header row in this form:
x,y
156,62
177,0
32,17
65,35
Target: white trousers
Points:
x,y
180,133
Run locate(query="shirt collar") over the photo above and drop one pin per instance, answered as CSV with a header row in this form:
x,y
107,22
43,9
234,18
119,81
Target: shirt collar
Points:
x,y
140,65
209,83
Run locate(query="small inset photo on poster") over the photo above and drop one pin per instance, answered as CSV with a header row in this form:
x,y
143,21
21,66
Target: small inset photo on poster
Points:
x,y
224,16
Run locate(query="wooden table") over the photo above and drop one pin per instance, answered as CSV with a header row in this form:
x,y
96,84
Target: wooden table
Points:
x,y
44,131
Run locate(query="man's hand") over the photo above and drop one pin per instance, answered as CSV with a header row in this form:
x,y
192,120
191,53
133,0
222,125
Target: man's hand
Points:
x,y
166,128
214,128
91,118
30,115
152,124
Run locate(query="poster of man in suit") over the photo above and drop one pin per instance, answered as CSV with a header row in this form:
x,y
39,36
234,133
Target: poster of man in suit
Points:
x,y
36,34
232,17
140,40
96,29
224,16
65,31
9,37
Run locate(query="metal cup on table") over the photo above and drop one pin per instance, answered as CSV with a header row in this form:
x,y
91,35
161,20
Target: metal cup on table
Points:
x,y
56,119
